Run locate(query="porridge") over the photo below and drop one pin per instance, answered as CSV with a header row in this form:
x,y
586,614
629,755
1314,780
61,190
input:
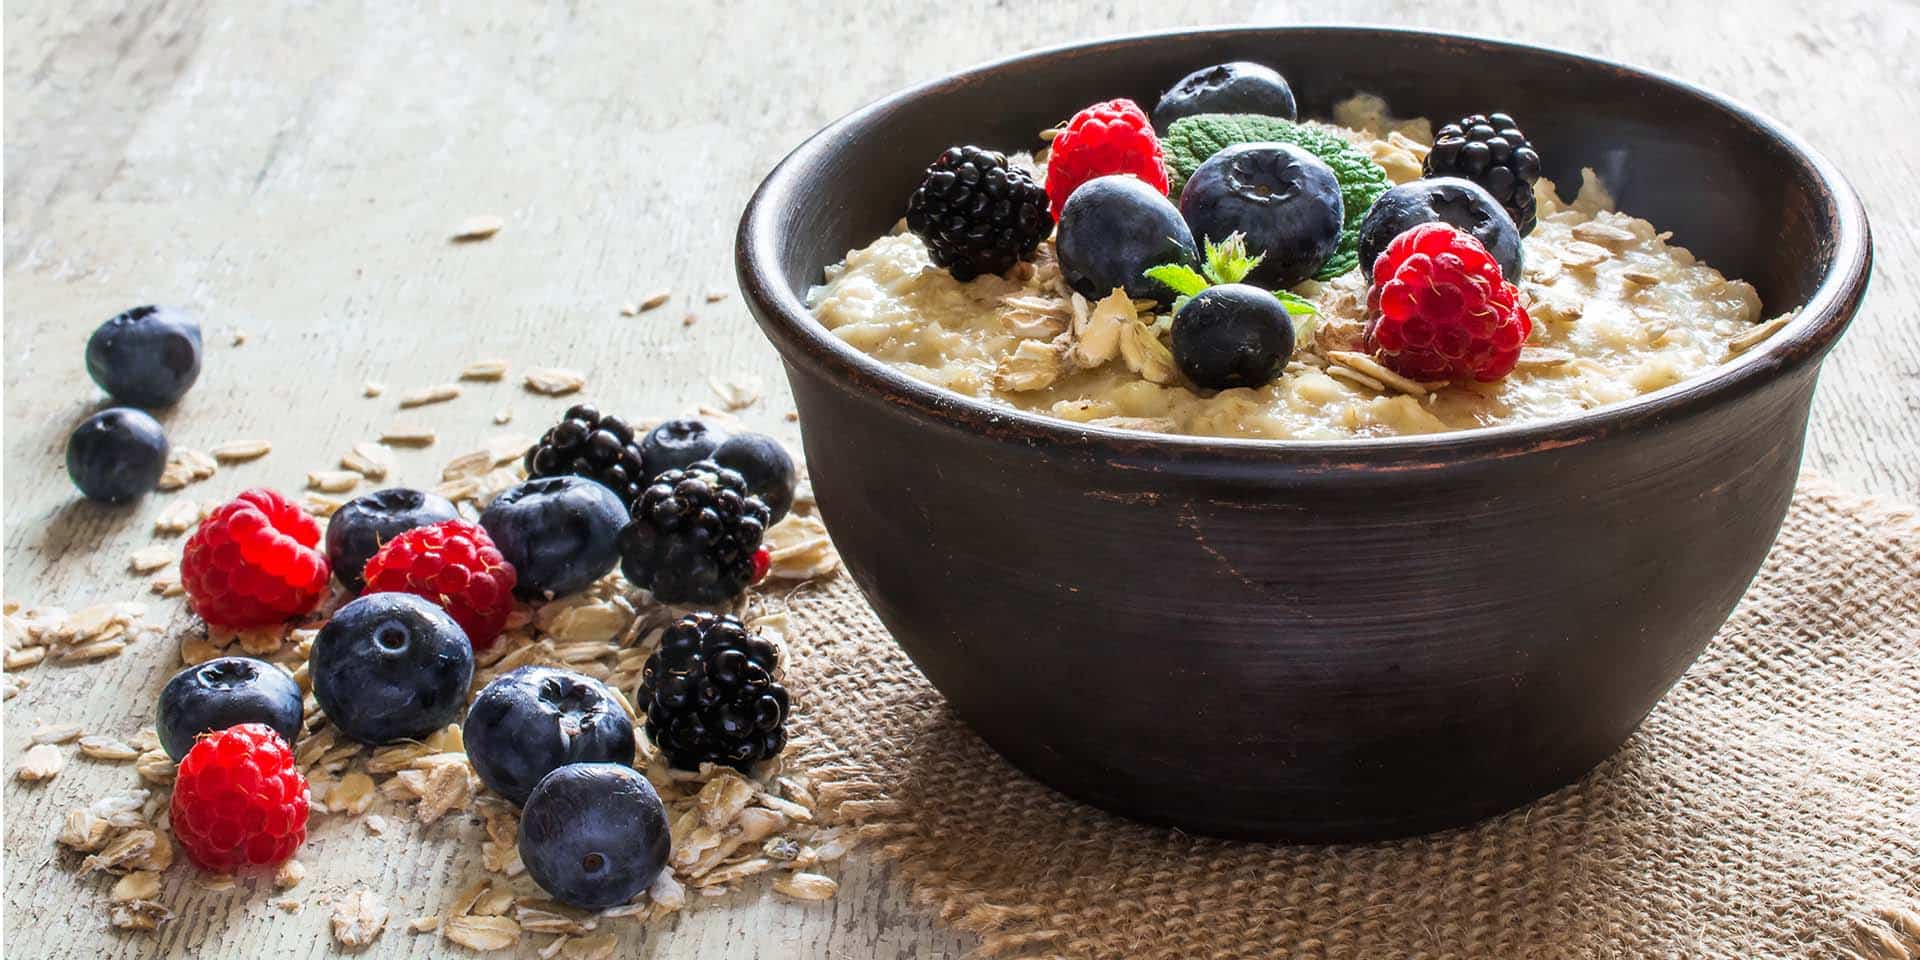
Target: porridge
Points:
x,y
1604,309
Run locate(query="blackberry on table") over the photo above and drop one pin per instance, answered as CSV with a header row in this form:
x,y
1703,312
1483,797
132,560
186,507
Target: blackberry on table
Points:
x,y
587,443
1490,150
978,214
695,536
710,695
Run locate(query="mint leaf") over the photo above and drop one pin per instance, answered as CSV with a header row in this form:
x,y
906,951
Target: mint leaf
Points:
x,y
1179,278
1227,261
1189,141
1295,303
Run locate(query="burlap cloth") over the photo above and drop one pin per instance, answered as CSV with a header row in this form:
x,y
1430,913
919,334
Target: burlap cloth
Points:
x,y
1770,807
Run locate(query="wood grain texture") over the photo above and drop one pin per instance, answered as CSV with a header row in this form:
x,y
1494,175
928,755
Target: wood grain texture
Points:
x,y
293,171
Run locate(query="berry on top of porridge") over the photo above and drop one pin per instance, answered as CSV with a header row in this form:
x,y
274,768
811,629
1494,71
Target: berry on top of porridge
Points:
x,y
1220,268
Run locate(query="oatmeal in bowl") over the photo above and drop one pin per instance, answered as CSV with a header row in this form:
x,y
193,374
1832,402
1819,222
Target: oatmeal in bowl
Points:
x,y
1271,544
1615,307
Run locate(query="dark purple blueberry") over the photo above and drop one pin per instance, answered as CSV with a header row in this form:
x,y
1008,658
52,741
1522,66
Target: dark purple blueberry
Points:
x,y
220,693
1237,87
1284,199
391,667
116,455
1232,335
676,445
766,466
593,835
533,720
1461,203
358,530
147,356
1112,229
560,533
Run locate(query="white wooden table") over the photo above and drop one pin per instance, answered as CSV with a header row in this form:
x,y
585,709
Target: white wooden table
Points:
x,y
292,171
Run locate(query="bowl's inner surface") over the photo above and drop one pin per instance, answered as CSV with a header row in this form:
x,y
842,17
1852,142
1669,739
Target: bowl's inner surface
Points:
x,y
1731,192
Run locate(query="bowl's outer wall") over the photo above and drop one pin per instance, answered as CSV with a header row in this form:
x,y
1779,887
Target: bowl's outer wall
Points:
x,y
1277,647
1303,656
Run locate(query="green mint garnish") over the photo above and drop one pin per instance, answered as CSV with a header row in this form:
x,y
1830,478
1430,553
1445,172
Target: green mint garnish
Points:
x,y
1191,140
1226,262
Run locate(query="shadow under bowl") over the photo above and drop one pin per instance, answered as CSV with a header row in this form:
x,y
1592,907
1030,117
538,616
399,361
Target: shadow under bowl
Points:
x,y
1315,641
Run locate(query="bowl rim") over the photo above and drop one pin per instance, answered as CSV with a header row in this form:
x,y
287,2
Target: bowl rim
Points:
x,y
786,320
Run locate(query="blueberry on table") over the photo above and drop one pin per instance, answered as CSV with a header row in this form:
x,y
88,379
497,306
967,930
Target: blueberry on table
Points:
x,y
1285,200
358,530
147,356
390,667
1450,200
1237,87
527,723
1232,335
224,692
676,445
116,455
766,466
593,835
1112,229
559,533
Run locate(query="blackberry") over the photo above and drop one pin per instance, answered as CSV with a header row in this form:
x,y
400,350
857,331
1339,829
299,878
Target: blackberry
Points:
x,y
1490,150
710,695
586,443
977,214
695,536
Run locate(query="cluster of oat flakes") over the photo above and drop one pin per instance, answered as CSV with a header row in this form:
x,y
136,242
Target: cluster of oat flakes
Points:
x,y
726,827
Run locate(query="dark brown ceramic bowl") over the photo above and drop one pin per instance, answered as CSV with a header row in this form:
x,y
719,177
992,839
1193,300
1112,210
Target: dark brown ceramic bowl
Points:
x,y
1297,640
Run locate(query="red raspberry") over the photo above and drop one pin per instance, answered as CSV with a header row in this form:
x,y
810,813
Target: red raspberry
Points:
x,y
239,800
762,562
1440,310
1106,138
253,562
455,564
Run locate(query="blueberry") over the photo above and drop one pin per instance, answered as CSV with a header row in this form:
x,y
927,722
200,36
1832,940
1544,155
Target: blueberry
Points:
x,y
1232,335
765,465
1286,201
391,666
1463,203
358,530
1238,87
560,533
223,692
147,356
535,719
116,454
593,835
1112,229
677,444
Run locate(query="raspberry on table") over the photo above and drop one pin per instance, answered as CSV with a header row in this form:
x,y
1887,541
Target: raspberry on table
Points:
x,y
1439,308
254,561
1106,138
454,564
239,800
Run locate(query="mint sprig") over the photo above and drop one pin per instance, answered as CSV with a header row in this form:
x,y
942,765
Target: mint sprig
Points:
x,y
1224,262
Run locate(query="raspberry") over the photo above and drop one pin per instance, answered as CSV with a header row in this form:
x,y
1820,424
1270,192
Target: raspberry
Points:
x,y
1106,138
254,562
239,800
455,564
1440,310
